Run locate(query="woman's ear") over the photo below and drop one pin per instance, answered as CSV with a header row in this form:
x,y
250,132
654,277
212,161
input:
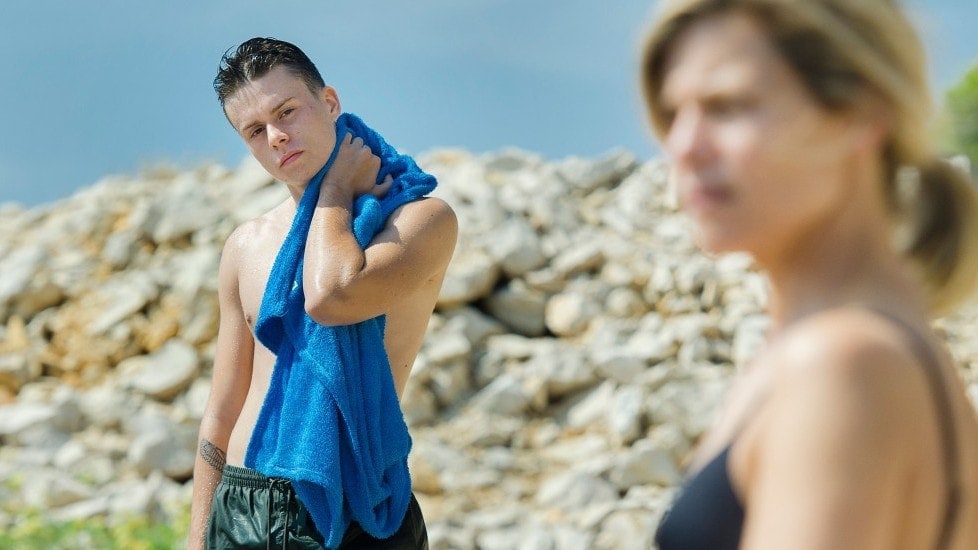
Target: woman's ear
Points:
x,y
871,123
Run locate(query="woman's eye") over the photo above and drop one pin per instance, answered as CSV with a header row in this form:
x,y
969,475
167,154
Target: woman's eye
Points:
x,y
727,107
668,117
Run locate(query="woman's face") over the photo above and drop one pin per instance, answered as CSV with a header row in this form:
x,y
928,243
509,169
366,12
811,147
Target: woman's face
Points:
x,y
756,162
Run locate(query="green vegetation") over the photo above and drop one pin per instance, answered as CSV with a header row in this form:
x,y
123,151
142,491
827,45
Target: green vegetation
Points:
x,y
34,532
961,107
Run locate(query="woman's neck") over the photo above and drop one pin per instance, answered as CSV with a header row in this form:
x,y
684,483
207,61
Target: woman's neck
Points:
x,y
850,261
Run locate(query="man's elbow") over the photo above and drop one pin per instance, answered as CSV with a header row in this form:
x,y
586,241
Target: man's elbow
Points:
x,y
330,309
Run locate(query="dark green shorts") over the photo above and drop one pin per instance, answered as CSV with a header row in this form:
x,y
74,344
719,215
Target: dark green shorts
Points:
x,y
251,510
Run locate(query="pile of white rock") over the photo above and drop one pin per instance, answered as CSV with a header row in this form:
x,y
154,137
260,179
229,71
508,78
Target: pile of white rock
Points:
x,y
580,346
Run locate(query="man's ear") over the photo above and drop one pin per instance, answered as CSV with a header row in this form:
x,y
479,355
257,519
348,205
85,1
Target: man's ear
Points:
x,y
329,96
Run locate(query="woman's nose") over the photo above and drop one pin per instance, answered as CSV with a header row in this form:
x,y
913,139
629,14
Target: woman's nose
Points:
x,y
687,138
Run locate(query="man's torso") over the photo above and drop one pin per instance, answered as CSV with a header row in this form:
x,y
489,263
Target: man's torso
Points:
x,y
405,323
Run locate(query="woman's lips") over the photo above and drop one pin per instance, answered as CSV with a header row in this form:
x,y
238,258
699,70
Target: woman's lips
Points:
x,y
699,189
705,197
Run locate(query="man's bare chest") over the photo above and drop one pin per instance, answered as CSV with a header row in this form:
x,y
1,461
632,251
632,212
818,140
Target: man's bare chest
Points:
x,y
254,270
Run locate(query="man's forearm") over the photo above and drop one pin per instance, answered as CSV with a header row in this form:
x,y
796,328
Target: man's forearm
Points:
x,y
208,468
212,455
332,257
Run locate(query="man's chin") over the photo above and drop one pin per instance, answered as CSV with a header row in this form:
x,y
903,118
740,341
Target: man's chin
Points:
x,y
293,178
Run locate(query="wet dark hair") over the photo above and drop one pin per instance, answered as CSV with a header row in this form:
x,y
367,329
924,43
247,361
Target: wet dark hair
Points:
x,y
254,58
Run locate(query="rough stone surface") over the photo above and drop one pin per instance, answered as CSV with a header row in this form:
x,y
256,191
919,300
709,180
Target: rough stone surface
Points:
x,y
579,348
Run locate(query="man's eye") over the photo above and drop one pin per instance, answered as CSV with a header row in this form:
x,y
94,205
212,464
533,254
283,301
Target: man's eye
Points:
x,y
256,132
286,112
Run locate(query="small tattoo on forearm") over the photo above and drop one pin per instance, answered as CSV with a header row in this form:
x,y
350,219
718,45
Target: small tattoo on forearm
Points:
x,y
212,455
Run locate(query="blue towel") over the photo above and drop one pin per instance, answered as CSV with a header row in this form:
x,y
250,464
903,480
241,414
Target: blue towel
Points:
x,y
331,422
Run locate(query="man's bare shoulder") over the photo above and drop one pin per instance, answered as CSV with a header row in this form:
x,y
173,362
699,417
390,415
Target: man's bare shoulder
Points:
x,y
254,233
256,238
428,217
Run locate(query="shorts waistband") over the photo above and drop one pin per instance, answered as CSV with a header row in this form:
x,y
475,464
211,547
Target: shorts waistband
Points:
x,y
246,477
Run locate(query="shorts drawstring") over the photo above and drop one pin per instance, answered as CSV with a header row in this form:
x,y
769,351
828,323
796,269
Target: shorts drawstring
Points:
x,y
283,484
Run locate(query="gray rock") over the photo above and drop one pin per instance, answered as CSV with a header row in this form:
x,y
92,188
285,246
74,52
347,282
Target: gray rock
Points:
x,y
450,346
625,302
574,490
19,267
471,275
644,464
627,530
473,325
579,259
617,364
450,383
579,349
563,370
509,395
587,175
418,404
164,374
16,369
105,406
195,398
569,313
516,248
52,489
626,415
184,211
748,337
520,308
18,417
593,407
522,538
120,247
98,506
170,451
117,300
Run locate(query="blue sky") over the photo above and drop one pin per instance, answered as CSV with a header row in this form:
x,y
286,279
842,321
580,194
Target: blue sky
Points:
x,y
112,87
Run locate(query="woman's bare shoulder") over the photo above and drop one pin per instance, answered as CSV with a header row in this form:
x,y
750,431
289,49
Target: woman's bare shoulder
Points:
x,y
857,365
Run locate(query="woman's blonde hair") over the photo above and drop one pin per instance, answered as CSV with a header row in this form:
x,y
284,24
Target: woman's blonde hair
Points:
x,y
841,49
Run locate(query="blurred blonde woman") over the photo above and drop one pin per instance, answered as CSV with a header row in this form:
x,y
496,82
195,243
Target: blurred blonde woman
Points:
x,y
797,131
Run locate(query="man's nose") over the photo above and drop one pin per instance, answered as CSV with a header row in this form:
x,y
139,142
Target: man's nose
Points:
x,y
276,136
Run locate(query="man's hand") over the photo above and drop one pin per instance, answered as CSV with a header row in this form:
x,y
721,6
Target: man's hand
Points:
x,y
354,172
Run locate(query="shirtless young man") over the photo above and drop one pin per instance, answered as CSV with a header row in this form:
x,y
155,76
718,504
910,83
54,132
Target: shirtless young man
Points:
x,y
276,100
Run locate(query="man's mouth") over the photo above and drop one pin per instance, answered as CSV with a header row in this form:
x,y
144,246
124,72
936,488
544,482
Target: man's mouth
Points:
x,y
288,158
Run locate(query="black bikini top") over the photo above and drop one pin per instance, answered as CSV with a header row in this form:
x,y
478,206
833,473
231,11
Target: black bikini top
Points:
x,y
706,514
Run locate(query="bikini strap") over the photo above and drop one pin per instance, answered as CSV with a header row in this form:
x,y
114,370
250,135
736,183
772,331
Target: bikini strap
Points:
x,y
925,353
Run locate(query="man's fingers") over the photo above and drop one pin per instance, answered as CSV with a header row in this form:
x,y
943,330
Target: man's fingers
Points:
x,y
381,188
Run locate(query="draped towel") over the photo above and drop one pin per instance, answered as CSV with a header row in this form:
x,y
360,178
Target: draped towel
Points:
x,y
331,422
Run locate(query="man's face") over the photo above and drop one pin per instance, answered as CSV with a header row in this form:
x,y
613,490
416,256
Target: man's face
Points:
x,y
288,128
